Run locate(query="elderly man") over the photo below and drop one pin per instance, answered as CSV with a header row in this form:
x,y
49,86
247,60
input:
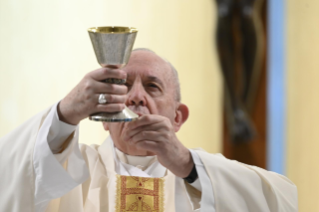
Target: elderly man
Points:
x,y
142,166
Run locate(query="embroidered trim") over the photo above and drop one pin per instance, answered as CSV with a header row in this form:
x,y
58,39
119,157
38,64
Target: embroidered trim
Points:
x,y
139,194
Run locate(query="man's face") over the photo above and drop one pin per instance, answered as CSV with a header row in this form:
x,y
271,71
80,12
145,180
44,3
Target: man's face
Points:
x,y
150,85
151,90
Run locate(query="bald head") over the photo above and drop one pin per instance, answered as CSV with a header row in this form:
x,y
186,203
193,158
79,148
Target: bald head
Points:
x,y
173,73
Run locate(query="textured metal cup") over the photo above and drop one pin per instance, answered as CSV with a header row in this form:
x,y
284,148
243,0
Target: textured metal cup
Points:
x,y
112,45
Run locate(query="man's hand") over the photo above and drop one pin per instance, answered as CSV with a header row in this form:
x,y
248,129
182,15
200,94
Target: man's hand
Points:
x,y
156,134
82,101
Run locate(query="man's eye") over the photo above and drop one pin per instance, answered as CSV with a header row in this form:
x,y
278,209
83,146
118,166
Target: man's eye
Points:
x,y
152,85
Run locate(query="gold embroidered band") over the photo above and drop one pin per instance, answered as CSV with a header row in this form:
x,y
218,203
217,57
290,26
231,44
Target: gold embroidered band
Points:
x,y
139,194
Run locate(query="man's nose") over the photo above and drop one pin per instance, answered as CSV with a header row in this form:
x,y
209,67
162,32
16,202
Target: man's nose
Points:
x,y
136,96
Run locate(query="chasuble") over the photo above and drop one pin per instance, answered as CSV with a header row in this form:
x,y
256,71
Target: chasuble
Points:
x,y
93,178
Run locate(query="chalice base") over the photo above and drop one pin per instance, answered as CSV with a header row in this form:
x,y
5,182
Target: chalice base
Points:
x,y
125,115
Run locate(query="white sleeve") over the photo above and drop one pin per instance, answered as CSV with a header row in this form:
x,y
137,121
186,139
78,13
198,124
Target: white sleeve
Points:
x,y
196,184
205,185
51,179
59,131
241,187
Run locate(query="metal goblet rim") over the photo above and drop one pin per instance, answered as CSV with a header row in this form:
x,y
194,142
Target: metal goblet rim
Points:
x,y
113,30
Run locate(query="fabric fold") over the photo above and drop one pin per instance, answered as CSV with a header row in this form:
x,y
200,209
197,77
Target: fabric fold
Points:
x,y
52,180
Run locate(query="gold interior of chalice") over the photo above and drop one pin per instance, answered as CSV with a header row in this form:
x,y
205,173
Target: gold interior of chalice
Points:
x,y
112,29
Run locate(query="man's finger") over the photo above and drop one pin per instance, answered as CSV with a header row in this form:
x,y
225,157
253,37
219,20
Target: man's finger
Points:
x,y
148,145
111,98
105,73
146,135
109,108
102,87
144,120
148,127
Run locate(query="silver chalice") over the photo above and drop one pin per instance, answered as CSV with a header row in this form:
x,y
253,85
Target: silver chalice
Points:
x,y
113,46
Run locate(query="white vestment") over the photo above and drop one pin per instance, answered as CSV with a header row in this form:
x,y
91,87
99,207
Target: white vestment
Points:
x,y
89,178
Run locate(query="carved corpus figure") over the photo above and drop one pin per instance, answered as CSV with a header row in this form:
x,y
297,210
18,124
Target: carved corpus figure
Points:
x,y
239,43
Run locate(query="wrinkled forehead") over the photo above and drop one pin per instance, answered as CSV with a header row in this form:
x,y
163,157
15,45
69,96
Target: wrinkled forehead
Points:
x,y
145,64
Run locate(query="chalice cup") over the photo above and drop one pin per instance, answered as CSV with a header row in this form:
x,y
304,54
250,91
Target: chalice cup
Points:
x,y
113,46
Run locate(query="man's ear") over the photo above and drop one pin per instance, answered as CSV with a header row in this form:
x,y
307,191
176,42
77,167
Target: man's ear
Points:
x,y
181,115
106,126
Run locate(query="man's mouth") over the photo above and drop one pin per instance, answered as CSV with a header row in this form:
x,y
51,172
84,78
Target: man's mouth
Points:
x,y
139,110
139,114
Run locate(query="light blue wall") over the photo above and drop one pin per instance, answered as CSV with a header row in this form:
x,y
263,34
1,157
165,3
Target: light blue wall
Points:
x,y
276,146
